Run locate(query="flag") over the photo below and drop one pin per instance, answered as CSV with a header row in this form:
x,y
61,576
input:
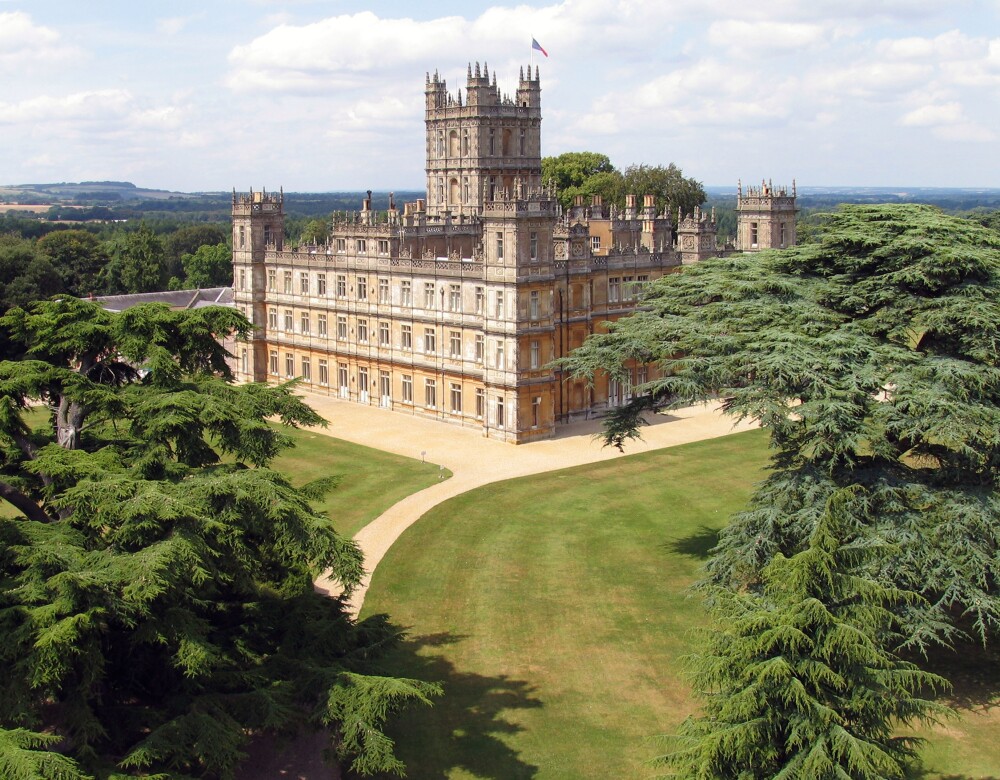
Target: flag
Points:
x,y
538,47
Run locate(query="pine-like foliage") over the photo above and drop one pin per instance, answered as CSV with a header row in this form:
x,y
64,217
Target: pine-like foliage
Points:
x,y
796,677
873,359
156,596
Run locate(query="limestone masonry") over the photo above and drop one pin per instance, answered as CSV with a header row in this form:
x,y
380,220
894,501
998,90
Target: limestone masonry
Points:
x,y
454,308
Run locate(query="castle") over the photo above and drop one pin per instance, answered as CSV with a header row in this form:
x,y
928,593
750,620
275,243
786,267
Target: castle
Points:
x,y
454,308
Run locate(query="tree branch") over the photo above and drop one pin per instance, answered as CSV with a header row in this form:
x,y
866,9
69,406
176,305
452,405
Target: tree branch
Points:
x,y
19,500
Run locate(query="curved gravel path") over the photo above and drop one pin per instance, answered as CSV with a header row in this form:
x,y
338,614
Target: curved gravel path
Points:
x,y
475,460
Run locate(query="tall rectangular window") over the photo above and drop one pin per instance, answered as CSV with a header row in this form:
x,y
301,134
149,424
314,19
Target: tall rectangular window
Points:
x,y
361,246
321,284
383,246
306,369
753,234
430,340
407,388
324,373
288,321
288,282
363,384
406,293
499,239
455,297
242,281
480,300
536,411
406,336
362,330
428,295
342,378
456,398
533,243
304,282
595,243
383,334
341,245
480,402
341,285
244,361
272,318
614,289
430,393
498,356
272,362
628,288
342,327
455,344
535,354
304,322
272,280
321,324
534,304
243,236
362,288
480,347
498,312
501,412
289,365
383,291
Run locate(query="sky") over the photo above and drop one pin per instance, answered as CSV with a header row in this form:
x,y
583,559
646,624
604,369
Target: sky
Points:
x,y
325,95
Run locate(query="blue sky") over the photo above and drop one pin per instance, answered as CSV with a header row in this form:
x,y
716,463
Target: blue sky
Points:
x,y
328,94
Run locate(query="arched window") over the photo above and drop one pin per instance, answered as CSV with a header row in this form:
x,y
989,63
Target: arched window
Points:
x,y
453,193
453,143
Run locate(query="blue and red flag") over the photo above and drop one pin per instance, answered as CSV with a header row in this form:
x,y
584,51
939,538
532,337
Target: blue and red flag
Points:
x,y
538,47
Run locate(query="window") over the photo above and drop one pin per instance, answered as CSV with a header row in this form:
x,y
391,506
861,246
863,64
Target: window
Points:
x,y
500,412
342,327
406,336
289,365
383,291
455,297
430,393
480,402
363,384
242,283
362,288
498,356
534,304
268,236
456,398
480,299
272,318
288,321
534,246
406,293
614,289
243,237
307,369
321,284
321,324
407,389
362,330
272,280
521,144
628,288
341,285
753,234
384,388
272,362
595,243
430,340
499,239
361,246
493,141
480,347
536,411
287,283
428,295
383,334
782,235
341,245
304,322
324,373
342,379
455,344
465,142
383,246
499,306
535,353
304,283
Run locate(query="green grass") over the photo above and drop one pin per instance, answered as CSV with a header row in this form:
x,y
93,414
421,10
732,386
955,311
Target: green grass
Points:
x,y
555,611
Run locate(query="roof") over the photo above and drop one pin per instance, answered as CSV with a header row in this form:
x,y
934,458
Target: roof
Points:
x,y
175,299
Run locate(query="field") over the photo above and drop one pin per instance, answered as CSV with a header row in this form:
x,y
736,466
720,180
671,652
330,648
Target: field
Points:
x,y
555,610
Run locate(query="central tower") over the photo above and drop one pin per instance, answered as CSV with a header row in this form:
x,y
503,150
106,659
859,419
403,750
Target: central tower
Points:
x,y
483,145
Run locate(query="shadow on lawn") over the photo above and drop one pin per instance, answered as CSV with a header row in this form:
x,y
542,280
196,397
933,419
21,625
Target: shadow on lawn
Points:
x,y
465,727
697,545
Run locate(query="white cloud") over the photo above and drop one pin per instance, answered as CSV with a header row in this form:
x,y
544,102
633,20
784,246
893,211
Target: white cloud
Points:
x,y
23,43
775,37
90,105
174,25
931,115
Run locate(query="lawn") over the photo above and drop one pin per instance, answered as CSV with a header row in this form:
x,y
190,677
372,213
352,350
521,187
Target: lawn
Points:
x,y
555,611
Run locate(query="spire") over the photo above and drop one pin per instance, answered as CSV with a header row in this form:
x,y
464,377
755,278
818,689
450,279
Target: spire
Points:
x,y
478,74
536,73
486,71
520,75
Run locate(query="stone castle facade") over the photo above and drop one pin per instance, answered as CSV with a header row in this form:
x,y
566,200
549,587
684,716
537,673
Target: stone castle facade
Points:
x,y
454,307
